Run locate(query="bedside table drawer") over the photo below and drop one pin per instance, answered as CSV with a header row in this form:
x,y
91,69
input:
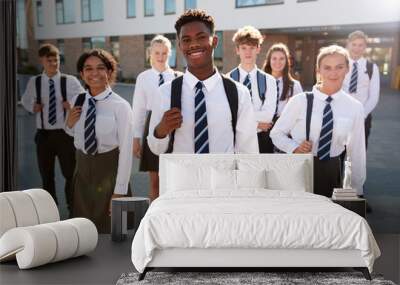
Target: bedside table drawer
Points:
x,y
357,206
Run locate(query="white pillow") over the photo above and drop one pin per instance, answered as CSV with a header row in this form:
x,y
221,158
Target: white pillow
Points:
x,y
291,178
188,177
251,178
223,179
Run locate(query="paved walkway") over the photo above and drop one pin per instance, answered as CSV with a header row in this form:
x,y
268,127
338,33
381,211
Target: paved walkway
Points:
x,y
382,186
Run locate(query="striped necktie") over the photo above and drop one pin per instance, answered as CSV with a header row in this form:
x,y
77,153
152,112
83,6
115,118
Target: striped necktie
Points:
x,y
200,118
325,137
277,97
353,79
160,79
52,103
277,89
90,128
247,83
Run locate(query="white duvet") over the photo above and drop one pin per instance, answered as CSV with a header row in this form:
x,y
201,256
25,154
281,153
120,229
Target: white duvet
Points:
x,y
252,218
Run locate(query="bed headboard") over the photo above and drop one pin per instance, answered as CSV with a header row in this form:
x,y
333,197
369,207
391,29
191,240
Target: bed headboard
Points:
x,y
233,161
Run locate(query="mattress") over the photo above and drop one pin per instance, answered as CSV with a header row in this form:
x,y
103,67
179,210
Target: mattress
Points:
x,y
251,219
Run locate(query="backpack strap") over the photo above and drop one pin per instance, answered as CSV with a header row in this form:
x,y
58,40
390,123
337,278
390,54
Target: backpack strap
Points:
x,y
370,68
291,89
233,100
176,102
262,86
310,100
63,88
235,74
231,94
38,86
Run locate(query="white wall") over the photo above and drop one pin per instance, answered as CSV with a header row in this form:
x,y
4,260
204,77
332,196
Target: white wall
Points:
x,y
287,15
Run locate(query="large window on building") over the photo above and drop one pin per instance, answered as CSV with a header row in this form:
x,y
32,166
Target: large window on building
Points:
x,y
93,42
114,43
250,3
169,7
61,48
92,10
39,13
172,58
190,4
149,7
65,11
131,8
219,50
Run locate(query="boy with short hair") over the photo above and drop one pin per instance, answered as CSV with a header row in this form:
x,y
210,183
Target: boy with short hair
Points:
x,y
262,86
201,111
47,96
362,80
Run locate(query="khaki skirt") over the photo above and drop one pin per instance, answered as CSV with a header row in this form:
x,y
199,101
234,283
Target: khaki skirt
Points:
x,y
93,185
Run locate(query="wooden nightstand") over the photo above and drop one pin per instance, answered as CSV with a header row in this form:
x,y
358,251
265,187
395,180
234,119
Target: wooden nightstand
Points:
x,y
357,205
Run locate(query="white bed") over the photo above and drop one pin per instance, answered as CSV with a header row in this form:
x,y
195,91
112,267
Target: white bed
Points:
x,y
215,211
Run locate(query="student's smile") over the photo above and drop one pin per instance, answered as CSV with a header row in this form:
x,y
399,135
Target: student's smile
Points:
x,y
196,53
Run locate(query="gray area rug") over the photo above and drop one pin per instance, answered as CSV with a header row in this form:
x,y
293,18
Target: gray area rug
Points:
x,y
243,278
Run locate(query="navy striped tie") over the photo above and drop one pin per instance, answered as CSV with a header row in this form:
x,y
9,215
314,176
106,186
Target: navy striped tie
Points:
x,y
325,137
160,79
200,119
90,128
52,103
277,97
247,83
353,79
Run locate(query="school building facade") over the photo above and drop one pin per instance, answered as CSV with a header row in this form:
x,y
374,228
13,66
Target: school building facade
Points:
x,y
125,27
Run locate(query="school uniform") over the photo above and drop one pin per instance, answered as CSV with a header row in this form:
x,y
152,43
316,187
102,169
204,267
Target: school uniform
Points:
x,y
51,140
363,88
103,139
147,83
343,127
264,105
296,89
207,118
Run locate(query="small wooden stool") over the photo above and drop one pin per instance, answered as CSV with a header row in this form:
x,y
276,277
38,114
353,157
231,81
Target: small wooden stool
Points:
x,y
119,209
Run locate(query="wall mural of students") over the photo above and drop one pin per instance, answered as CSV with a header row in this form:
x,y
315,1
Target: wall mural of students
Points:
x,y
201,111
325,122
47,96
261,86
277,64
101,123
146,87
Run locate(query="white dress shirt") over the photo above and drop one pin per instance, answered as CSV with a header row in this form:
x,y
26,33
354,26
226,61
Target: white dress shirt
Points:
x,y
145,88
29,98
296,90
263,112
348,129
367,90
219,118
114,129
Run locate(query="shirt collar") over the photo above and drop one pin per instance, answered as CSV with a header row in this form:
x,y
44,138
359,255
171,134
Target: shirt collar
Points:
x,y
157,72
359,61
102,95
209,83
243,73
55,76
322,96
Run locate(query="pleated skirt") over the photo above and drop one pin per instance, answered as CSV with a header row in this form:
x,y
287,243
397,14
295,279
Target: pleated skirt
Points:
x,y
93,186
